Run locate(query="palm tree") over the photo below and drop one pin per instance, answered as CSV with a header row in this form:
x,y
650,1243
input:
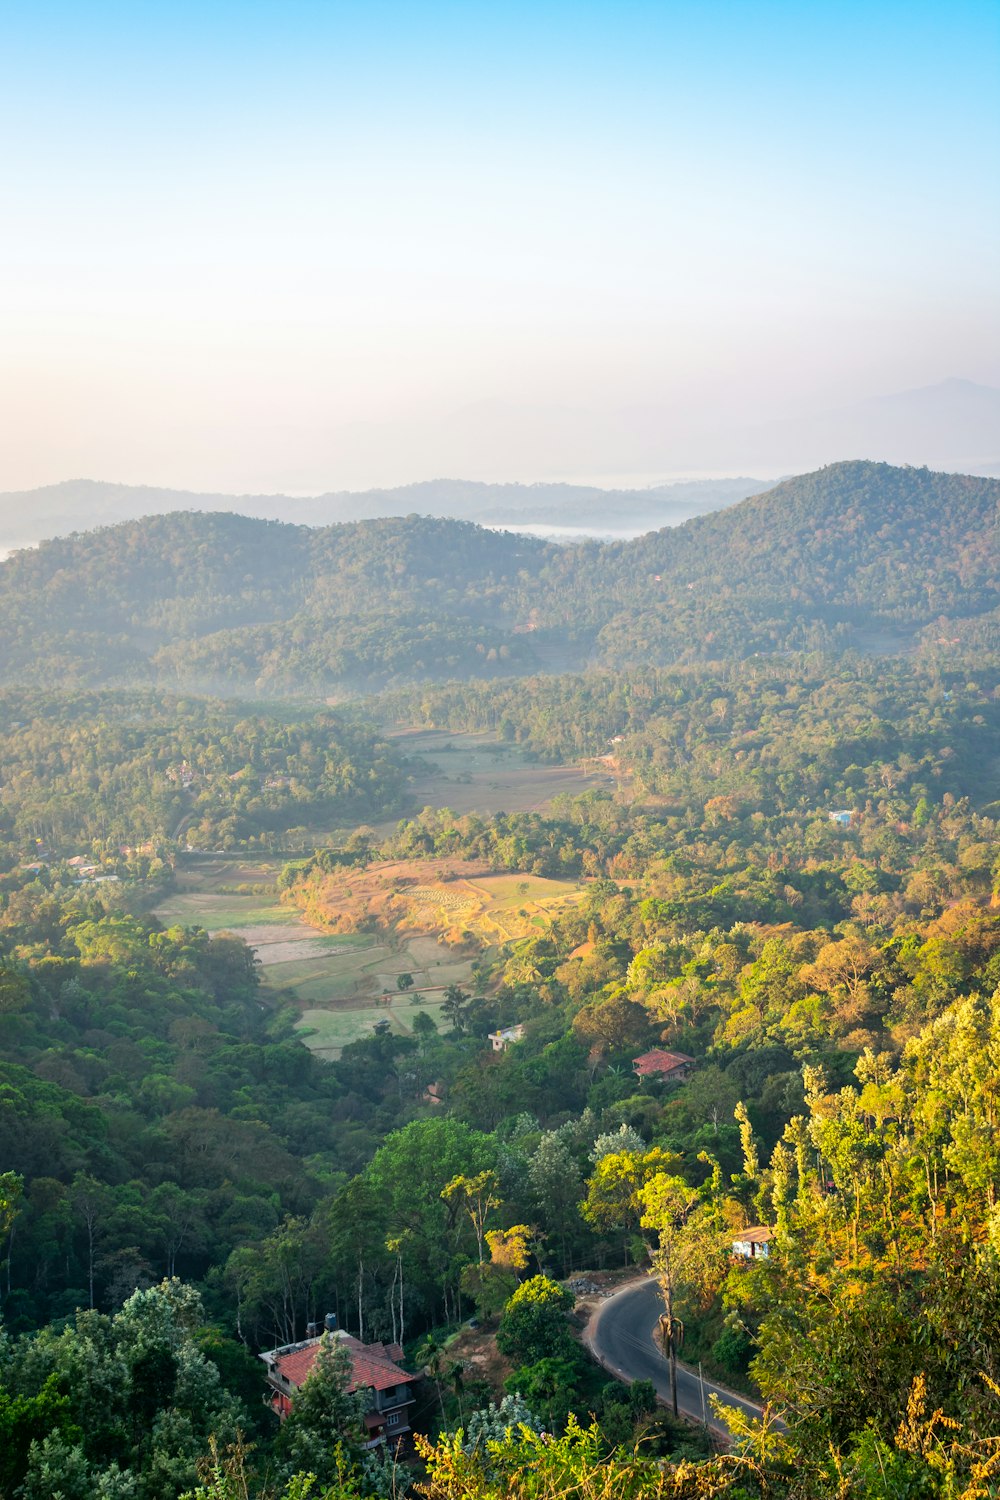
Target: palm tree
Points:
x,y
456,1375
429,1357
454,1006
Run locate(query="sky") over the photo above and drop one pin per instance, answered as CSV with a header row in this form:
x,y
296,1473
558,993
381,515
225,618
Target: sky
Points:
x,y
305,246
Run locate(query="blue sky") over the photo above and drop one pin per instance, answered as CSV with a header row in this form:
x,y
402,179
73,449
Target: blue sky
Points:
x,y
233,237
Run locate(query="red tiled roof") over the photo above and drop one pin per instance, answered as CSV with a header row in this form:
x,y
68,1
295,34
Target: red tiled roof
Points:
x,y
660,1061
371,1364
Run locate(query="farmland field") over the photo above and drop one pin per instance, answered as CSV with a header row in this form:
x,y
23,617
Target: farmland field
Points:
x,y
455,900
338,979
427,919
477,773
327,1032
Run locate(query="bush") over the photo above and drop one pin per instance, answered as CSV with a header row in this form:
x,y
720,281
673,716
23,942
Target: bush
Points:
x,y
732,1351
550,1388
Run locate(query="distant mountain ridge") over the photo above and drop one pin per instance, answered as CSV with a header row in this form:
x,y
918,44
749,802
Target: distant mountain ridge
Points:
x,y
858,555
953,425
27,516
629,461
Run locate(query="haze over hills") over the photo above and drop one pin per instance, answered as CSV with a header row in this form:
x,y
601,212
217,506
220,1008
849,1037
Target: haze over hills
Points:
x,y
81,504
856,555
953,426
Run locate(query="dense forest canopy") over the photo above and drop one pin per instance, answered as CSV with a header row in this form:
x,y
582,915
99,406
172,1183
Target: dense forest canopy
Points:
x,y
104,772
789,875
857,554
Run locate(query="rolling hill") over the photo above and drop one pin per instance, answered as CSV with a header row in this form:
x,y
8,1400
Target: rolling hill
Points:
x,y
84,504
857,555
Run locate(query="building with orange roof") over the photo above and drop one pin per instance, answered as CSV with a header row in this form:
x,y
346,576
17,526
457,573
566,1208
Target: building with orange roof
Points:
x,y
376,1369
667,1067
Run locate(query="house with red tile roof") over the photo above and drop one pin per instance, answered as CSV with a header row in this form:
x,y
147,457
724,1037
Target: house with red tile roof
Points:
x,y
667,1067
375,1369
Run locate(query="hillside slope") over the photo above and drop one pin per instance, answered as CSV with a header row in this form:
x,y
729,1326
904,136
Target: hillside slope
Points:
x,y
857,555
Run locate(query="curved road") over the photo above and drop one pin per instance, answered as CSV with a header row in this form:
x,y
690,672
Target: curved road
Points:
x,y
621,1334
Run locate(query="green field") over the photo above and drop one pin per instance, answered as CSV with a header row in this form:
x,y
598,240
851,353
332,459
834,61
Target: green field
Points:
x,y
222,913
477,773
344,982
327,1032
338,978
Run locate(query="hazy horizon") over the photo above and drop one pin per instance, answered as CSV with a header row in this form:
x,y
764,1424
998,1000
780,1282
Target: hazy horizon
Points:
x,y
307,247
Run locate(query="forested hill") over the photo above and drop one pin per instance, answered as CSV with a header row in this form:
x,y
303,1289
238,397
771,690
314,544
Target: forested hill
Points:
x,y
84,504
848,529
222,601
856,555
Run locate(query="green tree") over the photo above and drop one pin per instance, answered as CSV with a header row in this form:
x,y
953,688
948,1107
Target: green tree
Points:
x,y
325,1422
533,1325
455,1007
686,1258
557,1185
27,1420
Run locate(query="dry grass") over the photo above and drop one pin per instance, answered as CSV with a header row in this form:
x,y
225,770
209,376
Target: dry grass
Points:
x,y
341,977
452,900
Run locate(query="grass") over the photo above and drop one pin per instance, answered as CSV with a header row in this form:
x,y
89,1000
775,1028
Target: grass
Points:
x,y
364,976
221,913
328,1031
475,773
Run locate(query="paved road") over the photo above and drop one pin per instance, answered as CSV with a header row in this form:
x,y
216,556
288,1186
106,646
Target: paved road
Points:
x,y
622,1335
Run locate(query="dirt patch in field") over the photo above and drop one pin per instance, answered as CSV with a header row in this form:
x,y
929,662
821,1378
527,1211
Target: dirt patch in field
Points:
x,y
297,949
273,934
476,1349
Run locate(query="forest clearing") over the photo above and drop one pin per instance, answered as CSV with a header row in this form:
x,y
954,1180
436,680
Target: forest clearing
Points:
x,y
338,980
474,772
346,980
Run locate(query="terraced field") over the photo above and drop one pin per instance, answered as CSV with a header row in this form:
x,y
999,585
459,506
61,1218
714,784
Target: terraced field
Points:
x,y
339,980
455,900
327,1032
425,919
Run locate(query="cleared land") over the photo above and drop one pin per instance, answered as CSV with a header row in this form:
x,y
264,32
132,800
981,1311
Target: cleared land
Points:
x,y
451,900
329,1031
339,955
477,773
338,979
